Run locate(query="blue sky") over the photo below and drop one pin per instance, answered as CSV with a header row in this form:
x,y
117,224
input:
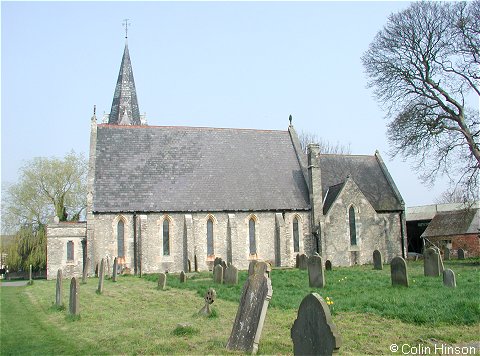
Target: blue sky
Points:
x,y
216,64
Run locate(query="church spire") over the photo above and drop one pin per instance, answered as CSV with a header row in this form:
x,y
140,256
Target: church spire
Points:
x,y
125,105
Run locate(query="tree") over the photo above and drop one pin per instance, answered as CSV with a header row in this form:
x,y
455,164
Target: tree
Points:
x,y
28,248
424,67
47,187
325,147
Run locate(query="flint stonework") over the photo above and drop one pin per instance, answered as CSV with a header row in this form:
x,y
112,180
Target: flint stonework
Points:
x,y
449,278
399,272
74,307
316,277
218,274
162,281
231,275
377,260
59,289
313,332
431,262
256,294
101,276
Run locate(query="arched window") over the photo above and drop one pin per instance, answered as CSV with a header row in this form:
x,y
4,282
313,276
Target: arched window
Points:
x,y
210,248
121,239
353,228
166,237
251,236
70,251
296,236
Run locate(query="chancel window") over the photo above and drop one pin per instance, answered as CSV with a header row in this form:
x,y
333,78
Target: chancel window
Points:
x,y
210,249
70,251
121,239
251,237
353,227
296,236
166,237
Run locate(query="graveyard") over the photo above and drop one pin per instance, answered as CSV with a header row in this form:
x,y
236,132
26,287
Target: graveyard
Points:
x,y
134,315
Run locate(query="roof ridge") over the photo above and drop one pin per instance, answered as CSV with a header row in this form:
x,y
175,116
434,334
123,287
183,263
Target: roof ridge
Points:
x,y
187,127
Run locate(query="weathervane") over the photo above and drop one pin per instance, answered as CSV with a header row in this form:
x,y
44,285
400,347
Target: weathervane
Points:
x,y
126,24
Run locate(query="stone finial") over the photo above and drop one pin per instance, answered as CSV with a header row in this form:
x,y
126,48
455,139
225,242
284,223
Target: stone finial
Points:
x,y
290,119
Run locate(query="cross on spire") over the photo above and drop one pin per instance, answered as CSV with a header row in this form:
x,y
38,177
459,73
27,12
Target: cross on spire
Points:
x,y
126,24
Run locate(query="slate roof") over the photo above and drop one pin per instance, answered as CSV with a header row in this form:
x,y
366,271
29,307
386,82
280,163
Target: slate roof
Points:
x,y
369,174
458,222
330,196
151,168
125,109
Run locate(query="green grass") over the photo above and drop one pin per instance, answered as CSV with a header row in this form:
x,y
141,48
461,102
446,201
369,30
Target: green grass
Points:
x,y
133,317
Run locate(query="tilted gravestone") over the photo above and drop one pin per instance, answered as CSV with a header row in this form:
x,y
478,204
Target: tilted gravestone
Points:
x,y
86,267
183,277
251,267
210,297
446,253
399,272
316,277
313,332
218,274
59,289
256,294
431,262
461,254
328,265
162,281
377,260
74,307
449,278
297,260
115,268
231,275
101,276
303,261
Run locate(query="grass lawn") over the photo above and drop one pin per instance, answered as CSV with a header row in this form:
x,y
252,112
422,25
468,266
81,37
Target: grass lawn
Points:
x,y
133,317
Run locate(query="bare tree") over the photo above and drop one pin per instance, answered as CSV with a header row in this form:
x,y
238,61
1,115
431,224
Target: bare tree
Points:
x,y
424,67
325,147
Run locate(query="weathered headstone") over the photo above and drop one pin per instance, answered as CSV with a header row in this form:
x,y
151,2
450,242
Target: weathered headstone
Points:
x,y
59,289
115,268
377,260
297,261
446,253
189,265
449,278
74,307
195,263
231,275
328,265
162,281
313,332
107,267
316,277
247,328
101,276
183,277
251,267
96,270
303,261
461,254
431,262
399,272
210,297
86,267
218,274
217,261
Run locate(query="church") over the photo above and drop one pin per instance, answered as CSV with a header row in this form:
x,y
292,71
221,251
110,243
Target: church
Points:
x,y
164,198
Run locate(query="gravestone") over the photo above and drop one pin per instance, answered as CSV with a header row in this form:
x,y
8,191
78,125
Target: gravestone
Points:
x,y
449,278
210,297
446,253
231,275
59,289
313,332
256,294
224,264
303,261
85,270
107,267
431,262
183,277
461,254
399,272
101,276
297,261
316,277
162,281
195,263
74,307
377,260
30,280
115,268
218,274
189,265
328,265
96,270
251,267
217,261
